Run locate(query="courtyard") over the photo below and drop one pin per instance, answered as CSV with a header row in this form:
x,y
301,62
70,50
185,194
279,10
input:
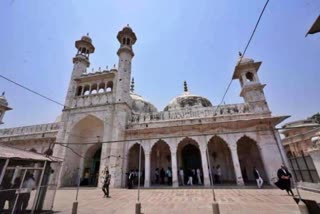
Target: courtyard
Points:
x,y
189,200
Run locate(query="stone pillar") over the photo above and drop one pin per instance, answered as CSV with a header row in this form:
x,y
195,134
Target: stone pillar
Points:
x,y
175,182
147,169
236,165
206,179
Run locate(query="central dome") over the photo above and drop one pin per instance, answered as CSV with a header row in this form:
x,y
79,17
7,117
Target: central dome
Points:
x,y
140,105
187,100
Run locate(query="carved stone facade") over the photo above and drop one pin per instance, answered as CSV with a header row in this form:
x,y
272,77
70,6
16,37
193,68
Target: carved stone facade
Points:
x,y
105,126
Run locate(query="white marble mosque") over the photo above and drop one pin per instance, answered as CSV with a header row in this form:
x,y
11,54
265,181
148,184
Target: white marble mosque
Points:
x,y
104,122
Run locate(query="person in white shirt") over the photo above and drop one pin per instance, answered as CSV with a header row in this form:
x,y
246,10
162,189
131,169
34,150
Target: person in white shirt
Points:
x,y
190,177
219,174
199,176
181,173
28,185
257,177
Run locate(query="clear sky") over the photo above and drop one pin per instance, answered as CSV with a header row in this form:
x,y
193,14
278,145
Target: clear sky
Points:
x,y
197,41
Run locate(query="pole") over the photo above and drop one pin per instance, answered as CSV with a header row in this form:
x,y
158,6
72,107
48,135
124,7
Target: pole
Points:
x,y
75,203
215,205
18,191
138,204
4,170
38,188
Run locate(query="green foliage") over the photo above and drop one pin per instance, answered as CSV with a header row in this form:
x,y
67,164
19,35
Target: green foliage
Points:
x,y
316,117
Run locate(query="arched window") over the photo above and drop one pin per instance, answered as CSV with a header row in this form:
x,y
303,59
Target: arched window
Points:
x,y
109,86
101,87
250,76
79,90
94,89
86,90
84,50
128,41
124,41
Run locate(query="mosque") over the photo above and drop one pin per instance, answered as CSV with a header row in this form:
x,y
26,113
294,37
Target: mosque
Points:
x,y
105,125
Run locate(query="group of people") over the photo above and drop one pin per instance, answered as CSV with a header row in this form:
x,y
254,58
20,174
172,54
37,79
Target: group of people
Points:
x,y
162,176
10,192
190,176
133,178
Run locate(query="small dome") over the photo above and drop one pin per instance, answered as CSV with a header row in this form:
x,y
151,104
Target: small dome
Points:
x,y
140,105
245,60
187,101
86,38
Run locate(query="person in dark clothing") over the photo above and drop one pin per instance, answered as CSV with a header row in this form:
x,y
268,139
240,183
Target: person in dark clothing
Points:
x,y
162,175
6,194
284,181
105,187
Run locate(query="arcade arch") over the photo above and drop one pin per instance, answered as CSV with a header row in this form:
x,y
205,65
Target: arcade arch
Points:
x,y
250,157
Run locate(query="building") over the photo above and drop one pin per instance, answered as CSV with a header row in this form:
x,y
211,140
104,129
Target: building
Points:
x,y
302,145
105,121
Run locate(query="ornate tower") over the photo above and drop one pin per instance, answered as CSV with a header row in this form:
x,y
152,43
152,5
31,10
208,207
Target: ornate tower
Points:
x,y
3,107
80,64
127,38
251,88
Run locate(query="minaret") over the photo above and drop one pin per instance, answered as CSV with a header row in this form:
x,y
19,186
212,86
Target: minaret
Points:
x,y
80,64
246,71
3,107
127,38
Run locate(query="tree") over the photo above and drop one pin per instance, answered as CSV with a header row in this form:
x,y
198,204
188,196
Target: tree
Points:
x,y
315,117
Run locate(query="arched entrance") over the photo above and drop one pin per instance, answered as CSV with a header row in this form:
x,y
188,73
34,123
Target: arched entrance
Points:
x,y
220,156
249,157
160,162
189,160
91,166
79,154
133,164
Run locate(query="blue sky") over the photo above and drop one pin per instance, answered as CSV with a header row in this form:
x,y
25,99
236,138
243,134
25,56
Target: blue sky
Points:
x,y
178,40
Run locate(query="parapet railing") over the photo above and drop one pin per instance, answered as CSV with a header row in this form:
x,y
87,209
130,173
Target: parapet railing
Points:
x,y
230,109
23,130
93,99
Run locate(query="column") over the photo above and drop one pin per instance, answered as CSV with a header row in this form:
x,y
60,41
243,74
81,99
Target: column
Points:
x,y
236,165
147,169
204,161
175,182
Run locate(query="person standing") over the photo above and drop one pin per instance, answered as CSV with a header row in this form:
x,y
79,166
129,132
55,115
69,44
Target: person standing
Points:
x,y
190,177
28,185
199,176
219,174
157,175
181,173
105,187
162,175
257,177
284,182
169,175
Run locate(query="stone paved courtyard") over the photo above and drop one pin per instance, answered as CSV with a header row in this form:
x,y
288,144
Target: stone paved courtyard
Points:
x,y
242,201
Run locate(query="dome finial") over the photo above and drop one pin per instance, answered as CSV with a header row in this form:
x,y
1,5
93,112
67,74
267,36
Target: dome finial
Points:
x,y
240,54
185,86
87,34
3,93
132,85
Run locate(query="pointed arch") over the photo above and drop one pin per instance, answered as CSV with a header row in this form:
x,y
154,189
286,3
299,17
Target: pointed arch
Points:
x,y
133,162
249,157
160,159
220,156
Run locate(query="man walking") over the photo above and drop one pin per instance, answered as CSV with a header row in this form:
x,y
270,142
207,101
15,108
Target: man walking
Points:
x,y
257,177
284,181
106,184
181,173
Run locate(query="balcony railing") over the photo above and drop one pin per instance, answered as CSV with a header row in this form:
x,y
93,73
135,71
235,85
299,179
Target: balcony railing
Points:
x,y
232,109
93,99
25,130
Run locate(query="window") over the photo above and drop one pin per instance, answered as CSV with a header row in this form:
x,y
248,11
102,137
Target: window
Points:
x,y
250,76
109,86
